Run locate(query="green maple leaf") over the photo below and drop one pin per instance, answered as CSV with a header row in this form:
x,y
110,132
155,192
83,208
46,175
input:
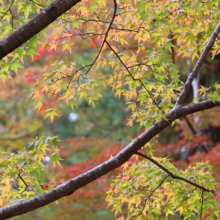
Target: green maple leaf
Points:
x,y
51,113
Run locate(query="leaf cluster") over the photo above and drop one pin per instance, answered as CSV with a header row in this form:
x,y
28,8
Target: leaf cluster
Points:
x,y
23,173
148,193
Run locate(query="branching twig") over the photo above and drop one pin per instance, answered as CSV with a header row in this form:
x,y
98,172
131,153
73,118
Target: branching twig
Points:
x,y
153,192
194,132
134,78
171,174
9,8
105,38
99,52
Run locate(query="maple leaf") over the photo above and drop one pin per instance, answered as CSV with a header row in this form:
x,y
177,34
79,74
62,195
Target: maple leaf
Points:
x,y
51,113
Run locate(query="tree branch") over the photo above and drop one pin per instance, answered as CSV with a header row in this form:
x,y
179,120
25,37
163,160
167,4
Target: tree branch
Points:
x,y
197,67
190,125
145,201
105,38
9,8
142,84
99,52
34,25
72,185
202,205
170,173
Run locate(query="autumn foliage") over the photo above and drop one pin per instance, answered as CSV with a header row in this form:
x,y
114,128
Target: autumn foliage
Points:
x,y
155,63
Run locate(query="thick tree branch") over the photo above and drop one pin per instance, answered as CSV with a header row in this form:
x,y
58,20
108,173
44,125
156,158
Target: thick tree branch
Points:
x,y
197,67
72,185
35,25
173,59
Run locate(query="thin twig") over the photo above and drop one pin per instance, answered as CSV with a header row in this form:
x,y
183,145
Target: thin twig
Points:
x,y
202,205
35,191
100,50
105,38
171,174
190,125
36,3
153,192
133,77
20,177
9,8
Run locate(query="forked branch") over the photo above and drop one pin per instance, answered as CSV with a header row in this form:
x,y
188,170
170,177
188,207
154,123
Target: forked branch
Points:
x,y
197,67
170,173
